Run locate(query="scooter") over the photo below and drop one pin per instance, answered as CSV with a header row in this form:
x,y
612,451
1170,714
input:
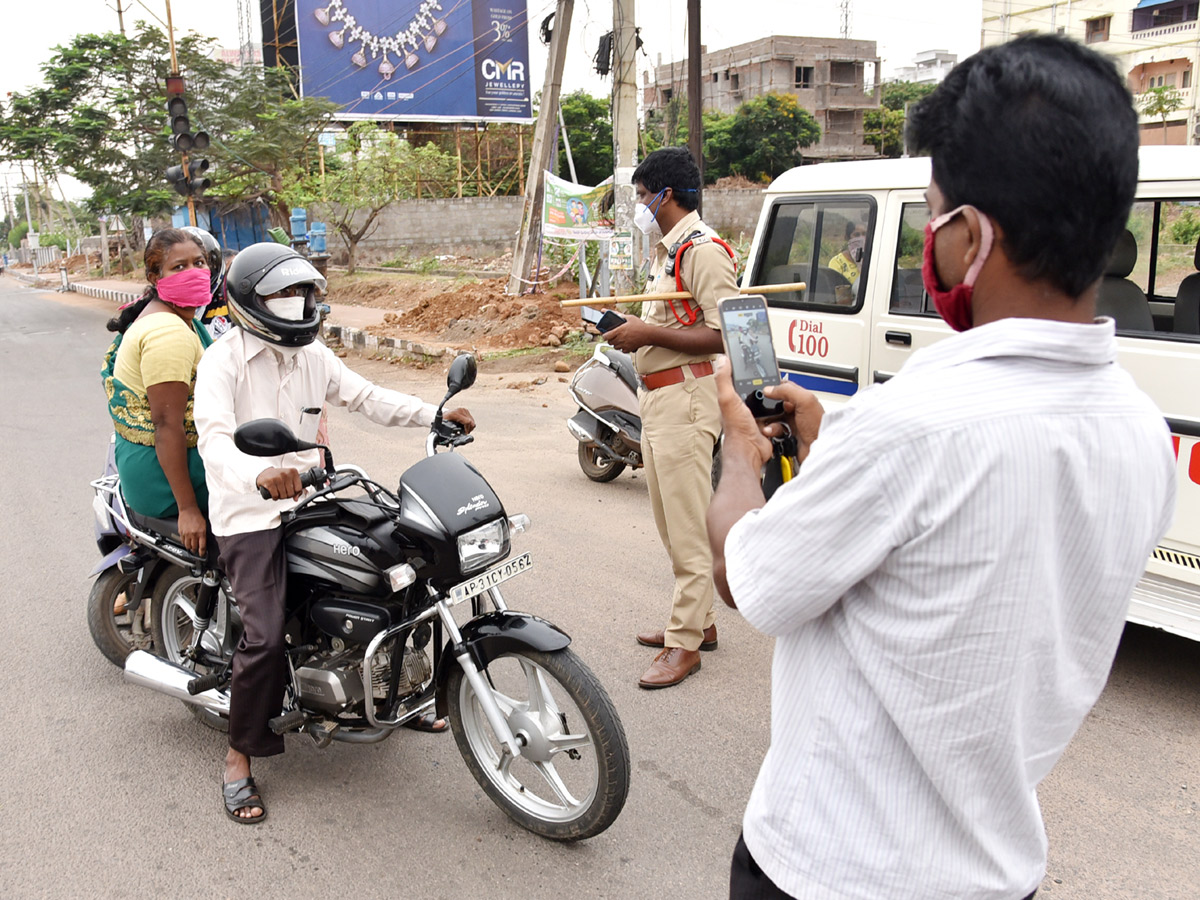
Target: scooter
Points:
x,y
608,425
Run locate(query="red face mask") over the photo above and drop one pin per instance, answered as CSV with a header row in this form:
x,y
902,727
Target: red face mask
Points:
x,y
954,305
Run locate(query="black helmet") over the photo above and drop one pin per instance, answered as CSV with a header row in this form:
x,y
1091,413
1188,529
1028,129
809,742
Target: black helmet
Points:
x,y
268,268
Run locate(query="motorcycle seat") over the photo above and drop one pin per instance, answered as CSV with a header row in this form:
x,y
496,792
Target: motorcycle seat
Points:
x,y
623,366
168,528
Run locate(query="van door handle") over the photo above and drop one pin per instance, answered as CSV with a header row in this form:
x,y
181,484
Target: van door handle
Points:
x,y
898,337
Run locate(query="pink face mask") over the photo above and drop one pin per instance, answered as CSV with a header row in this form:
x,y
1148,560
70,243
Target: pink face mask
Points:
x,y
954,305
189,288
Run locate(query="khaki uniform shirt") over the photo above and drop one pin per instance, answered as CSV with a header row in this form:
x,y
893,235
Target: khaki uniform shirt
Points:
x,y
707,272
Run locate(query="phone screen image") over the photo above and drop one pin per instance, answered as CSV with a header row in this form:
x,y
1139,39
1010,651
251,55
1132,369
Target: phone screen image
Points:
x,y
747,334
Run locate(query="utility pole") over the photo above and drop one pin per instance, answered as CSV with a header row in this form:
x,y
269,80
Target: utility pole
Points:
x,y
625,131
121,18
529,234
191,201
695,117
29,221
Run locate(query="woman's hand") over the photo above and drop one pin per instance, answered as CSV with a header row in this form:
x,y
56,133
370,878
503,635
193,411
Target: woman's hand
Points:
x,y
193,530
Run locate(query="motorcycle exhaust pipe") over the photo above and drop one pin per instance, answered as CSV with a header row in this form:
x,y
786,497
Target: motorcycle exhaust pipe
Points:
x,y
146,670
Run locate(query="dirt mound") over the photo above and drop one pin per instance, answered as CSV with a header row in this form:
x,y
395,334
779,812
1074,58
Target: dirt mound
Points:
x,y
483,316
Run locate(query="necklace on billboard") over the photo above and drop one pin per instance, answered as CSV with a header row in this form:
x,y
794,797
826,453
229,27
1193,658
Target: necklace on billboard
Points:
x,y
422,31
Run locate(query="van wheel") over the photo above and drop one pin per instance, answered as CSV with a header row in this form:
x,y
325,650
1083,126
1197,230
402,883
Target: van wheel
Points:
x,y
596,465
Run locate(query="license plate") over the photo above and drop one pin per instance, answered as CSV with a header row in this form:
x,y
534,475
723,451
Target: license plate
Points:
x,y
489,579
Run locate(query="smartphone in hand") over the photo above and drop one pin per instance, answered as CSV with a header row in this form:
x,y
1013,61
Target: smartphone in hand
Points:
x,y
605,320
746,332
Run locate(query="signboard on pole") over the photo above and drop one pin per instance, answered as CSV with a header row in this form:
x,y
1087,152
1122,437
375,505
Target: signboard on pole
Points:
x,y
620,251
574,211
417,60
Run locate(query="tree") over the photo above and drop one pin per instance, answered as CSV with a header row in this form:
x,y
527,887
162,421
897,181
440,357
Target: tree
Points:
x,y
885,126
1161,102
370,169
589,129
100,116
762,140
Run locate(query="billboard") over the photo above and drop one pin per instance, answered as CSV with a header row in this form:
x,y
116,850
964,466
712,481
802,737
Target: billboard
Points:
x,y
417,60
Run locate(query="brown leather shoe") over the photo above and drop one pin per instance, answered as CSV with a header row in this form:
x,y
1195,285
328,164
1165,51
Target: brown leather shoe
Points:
x,y
655,638
671,666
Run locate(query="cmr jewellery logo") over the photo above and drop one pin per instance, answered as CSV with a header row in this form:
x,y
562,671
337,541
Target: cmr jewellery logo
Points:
x,y
494,70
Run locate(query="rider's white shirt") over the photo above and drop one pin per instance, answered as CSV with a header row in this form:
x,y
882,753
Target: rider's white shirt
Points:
x,y
947,579
241,378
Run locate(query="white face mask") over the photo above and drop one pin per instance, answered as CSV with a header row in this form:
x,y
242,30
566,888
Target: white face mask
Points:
x,y
643,217
289,308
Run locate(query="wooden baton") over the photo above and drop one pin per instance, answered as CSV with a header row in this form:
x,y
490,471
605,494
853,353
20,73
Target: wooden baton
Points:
x,y
684,295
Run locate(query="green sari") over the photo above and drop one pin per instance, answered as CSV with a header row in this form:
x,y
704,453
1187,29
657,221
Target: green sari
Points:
x,y
144,485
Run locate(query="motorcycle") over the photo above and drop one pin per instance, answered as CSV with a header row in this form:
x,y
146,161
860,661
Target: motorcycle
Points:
x,y
374,580
608,425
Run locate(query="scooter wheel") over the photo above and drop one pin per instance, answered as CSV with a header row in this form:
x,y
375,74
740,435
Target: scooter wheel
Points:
x,y
596,465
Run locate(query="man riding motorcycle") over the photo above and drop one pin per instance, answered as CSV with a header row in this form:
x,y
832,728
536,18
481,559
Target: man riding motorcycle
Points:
x,y
271,366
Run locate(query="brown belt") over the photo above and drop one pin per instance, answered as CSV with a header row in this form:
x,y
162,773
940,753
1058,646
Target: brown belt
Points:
x,y
656,380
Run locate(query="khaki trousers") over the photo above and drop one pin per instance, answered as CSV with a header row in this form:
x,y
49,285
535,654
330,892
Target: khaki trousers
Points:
x,y
680,426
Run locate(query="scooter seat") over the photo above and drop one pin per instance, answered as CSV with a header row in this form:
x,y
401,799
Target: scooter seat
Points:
x,y
623,366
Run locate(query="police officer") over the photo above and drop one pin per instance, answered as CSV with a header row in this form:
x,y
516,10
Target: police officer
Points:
x,y
675,343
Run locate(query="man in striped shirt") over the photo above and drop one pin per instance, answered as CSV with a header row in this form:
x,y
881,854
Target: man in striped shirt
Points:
x,y
947,577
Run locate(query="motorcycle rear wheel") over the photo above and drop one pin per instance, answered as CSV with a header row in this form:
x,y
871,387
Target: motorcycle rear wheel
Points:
x,y
596,465
170,618
572,778
117,636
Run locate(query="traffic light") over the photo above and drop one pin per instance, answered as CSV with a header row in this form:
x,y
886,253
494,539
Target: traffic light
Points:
x,y
193,183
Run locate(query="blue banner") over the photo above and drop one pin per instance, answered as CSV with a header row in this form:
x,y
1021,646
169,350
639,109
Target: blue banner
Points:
x,y
417,60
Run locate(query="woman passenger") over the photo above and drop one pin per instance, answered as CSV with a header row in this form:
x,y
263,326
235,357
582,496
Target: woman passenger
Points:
x,y
149,374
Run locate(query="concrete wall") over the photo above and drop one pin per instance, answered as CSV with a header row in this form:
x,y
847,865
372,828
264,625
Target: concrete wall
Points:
x,y
486,226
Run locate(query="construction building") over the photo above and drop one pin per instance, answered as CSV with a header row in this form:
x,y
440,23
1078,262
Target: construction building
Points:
x,y
837,80
1155,43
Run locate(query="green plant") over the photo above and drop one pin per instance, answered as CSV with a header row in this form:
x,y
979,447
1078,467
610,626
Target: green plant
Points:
x,y
18,234
1186,228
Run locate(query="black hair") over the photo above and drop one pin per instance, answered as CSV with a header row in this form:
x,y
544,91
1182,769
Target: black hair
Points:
x,y
671,167
156,251
1041,135
850,226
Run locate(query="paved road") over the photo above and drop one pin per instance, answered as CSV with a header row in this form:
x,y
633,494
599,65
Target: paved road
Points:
x,y
109,790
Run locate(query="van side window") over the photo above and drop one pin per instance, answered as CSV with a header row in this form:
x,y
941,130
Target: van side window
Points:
x,y
908,295
1151,284
824,243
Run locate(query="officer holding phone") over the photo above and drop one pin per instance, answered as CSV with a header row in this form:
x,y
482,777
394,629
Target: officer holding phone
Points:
x,y
674,344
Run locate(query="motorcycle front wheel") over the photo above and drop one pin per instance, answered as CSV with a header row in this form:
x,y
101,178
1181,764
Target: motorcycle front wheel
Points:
x,y
117,634
596,465
572,777
171,611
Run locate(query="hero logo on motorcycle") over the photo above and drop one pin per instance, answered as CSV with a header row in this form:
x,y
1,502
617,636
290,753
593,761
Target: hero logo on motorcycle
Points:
x,y
806,338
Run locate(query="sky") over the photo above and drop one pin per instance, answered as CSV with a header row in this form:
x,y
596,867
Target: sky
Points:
x,y
901,29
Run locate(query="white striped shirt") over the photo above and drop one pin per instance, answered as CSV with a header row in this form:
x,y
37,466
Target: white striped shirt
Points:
x,y
948,579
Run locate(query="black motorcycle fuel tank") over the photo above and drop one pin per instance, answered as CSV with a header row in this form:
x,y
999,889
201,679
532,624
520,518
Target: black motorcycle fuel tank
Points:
x,y
442,497
339,554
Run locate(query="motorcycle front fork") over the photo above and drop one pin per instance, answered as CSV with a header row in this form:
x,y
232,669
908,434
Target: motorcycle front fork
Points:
x,y
478,681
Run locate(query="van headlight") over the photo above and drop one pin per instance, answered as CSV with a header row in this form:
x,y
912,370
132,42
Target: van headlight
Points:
x,y
482,546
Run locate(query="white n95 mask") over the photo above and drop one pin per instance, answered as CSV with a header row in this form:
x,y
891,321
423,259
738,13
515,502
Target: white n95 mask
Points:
x,y
289,308
643,218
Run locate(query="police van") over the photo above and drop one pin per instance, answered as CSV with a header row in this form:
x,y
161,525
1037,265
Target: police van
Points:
x,y
854,234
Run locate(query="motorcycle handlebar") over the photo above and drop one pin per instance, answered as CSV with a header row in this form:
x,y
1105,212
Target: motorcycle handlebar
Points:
x,y
315,475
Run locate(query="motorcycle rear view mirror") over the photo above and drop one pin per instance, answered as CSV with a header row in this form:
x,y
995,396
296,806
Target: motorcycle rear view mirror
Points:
x,y
268,437
460,377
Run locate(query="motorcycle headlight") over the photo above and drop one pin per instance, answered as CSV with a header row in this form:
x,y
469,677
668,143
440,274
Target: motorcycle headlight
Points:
x,y
482,546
